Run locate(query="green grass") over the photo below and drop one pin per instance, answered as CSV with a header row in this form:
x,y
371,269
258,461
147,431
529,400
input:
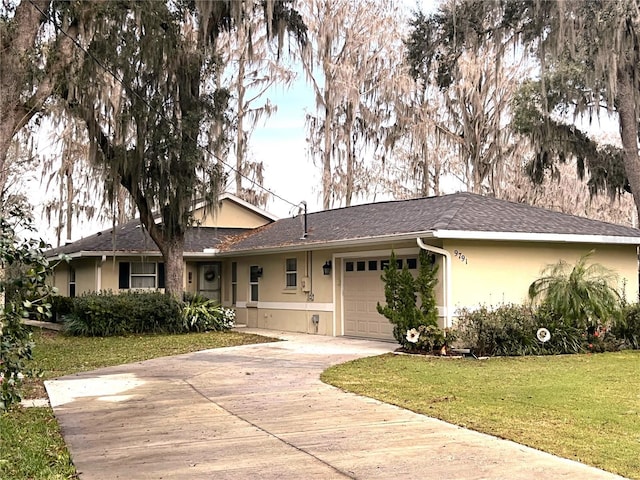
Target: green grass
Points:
x,y
57,355
32,447
581,407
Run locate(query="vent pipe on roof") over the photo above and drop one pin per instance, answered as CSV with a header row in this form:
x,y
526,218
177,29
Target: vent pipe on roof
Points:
x,y
304,220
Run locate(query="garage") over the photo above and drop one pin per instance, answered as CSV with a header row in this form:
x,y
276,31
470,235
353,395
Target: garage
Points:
x,y
362,290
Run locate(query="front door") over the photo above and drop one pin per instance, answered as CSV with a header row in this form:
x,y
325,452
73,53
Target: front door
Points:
x,y
209,280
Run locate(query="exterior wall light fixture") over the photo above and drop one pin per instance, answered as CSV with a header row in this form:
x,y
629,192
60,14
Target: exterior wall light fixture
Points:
x,y
326,268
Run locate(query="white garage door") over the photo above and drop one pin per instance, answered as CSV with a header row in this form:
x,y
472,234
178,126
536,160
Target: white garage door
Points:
x,y
362,290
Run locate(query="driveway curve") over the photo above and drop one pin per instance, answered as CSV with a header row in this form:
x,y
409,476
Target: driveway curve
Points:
x,y
261,412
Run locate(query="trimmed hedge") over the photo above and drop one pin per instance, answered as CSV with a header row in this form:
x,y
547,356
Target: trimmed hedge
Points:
x,y
105,314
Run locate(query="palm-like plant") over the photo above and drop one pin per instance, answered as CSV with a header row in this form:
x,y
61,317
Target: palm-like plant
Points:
x,y
583,295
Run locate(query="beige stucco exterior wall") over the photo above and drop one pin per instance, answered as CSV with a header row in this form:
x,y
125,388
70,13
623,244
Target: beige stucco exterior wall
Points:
x,y
230,215
279,307
60,279
493,273
291,309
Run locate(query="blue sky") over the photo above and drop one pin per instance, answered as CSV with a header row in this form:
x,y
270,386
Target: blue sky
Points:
x,y
280,143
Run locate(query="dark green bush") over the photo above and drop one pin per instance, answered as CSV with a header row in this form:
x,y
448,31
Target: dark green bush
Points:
x,y
25,269
627,328
415,326
107,314
564,338
61,306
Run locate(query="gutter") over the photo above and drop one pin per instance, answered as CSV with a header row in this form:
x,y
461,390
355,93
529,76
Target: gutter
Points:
x,y
536,237
327,245
447,278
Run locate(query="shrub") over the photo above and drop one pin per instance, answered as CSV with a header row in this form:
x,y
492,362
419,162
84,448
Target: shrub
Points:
x,y
414,327
627,327
513,330
26,269
506,330
583,295
106,314
61,306
200,315
565,338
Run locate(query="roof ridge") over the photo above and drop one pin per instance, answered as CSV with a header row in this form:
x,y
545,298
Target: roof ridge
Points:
x,y
374,203
447,217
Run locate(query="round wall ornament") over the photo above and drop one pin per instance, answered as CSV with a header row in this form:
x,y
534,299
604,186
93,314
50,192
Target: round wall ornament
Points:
x,y
210,275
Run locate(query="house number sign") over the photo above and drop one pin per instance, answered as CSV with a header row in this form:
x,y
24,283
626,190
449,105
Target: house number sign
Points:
x,y
461,256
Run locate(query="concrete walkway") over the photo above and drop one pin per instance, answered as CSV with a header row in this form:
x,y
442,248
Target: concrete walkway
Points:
x,y
261,412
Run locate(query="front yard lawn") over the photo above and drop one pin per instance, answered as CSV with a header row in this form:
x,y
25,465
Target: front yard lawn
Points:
x,y
581,407
32,446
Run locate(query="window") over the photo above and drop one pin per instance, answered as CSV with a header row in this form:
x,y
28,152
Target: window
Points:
x,y
291,273
373,265
234,282
349,266
384,264
72,282
254,275
412,263
142,275
360,266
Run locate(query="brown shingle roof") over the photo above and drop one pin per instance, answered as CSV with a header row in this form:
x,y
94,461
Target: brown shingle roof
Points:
x,y
461,211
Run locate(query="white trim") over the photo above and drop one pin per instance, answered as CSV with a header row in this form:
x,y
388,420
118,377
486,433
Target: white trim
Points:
x,y
341,294
333,294
328,245
377,253
534,237
361,254
448,273
300,306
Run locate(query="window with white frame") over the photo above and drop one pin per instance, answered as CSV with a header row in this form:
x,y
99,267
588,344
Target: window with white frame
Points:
x,y
144,275
72,282
254,275
291,273
234,282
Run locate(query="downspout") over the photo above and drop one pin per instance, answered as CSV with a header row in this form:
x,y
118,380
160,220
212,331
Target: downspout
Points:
x,y
447,278
99,273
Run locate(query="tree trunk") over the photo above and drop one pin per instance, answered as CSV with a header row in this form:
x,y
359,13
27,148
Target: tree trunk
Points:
x,y
240,116
350,154
172,252
628,118
326,160
18,38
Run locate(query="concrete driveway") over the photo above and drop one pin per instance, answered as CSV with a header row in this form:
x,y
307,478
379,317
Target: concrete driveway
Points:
x,y
261,412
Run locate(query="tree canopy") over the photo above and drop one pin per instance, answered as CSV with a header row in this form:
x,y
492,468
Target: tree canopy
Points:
x,y
588,58
145,85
